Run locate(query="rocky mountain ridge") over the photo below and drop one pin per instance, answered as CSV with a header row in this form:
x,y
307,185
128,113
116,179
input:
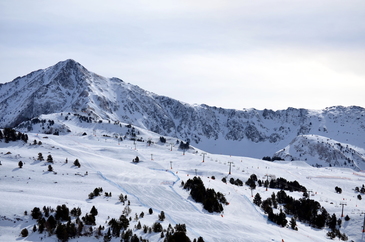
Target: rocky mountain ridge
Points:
x,y
70,87
321,151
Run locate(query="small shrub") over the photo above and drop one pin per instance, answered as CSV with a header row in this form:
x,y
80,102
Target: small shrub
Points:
x,y
338,190
24,232
161,216
77,163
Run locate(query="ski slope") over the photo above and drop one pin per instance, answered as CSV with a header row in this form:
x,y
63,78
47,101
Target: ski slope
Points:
x,y
155,182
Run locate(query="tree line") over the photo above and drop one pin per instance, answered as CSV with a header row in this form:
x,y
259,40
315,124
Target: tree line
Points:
x,y
9,134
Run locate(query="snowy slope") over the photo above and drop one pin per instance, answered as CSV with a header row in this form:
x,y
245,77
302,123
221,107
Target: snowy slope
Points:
x,y
155,182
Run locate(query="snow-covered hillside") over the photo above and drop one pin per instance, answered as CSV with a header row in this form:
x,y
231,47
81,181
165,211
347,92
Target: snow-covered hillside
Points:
x,y
155,182
68,87
321,151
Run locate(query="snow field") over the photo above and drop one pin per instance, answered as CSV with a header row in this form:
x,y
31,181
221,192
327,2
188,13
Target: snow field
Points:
x,y
153,184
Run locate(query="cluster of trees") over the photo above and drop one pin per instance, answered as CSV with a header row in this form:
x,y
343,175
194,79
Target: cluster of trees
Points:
x,y
66,224
233,181
162,139
50,220
251,181
278,183
50,160
123,198
120,228
37,143
132,133
85,119
211,200
282,183
43,123
303,209
178,234
267,205
360,189
9,134
274,158
184,146
97,192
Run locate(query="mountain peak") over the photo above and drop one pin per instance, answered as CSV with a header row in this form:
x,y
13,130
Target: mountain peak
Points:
x,y
68,64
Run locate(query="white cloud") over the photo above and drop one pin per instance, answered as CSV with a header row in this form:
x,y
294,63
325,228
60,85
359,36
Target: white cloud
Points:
x,y
234,54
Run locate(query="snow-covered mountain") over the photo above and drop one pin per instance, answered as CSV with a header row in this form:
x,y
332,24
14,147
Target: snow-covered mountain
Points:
x,y
321,151
71,114
69,87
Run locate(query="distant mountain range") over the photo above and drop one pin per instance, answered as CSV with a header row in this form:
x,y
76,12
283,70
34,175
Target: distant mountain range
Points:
x,y
68,87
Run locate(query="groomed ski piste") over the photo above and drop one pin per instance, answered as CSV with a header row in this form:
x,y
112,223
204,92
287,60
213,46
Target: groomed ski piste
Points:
x,y
155,182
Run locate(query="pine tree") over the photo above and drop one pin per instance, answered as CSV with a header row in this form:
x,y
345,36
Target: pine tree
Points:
x,y
51,224
49,159
36,213
157,227
41,226
332,221
61,233
273,199
257,199
40,157
121,198
161,216
293,224
200,239
94,211
77,163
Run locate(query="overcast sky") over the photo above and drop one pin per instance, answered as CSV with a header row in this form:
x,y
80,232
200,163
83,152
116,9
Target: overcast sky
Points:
x,y
225,53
